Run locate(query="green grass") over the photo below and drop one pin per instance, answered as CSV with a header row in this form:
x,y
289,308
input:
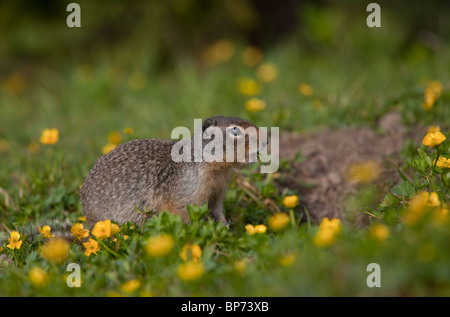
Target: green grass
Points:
x,y
358,74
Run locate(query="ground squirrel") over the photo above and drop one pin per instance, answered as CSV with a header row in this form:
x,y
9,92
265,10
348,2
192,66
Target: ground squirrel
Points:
x,y
142,175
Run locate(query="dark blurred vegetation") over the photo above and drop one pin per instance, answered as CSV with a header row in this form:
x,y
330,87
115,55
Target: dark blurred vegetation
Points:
x,y
156,33
145,64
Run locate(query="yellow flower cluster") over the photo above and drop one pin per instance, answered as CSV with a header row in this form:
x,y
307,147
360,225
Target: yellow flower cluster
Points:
x,y
328,231
432,92
191,252
255,229
420,204
102,230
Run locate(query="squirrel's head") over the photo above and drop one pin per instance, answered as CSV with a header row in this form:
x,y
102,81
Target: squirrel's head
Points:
x,y
236,141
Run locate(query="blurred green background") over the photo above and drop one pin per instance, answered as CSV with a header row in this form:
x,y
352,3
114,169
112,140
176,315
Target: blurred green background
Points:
x,y
155,65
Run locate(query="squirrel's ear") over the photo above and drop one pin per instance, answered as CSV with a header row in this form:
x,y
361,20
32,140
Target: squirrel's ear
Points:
x,y
207,123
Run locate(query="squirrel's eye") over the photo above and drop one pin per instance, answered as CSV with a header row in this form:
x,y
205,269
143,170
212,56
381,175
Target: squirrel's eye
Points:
x,y
235,131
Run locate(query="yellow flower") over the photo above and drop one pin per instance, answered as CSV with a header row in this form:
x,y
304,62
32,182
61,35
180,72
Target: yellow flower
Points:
x,y
82,218
190,271
419,204
160,245
305,89
252,56
79,232
14,240
432,92
102,229
219,52
38,277
433,200
192,252
363,172
255,229
249,87
278,222
255,105
443,162
328,230
433,139
287,259
290,201
240,266
91,246
260,228
49,136
379,232
137,80
108,148
45,230
114,137
416,208
130,286
55,250
267,72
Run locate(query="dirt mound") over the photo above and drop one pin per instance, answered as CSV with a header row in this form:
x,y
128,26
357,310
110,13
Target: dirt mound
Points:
x,y
321,178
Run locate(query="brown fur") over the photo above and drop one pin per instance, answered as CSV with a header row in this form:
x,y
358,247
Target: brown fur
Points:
x,y
141,174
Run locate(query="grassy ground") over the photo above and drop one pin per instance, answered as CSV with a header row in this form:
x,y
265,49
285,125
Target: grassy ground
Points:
x,y
356,74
